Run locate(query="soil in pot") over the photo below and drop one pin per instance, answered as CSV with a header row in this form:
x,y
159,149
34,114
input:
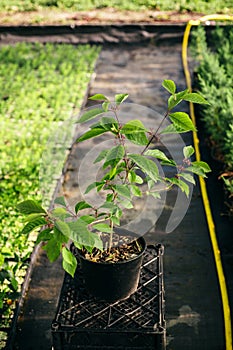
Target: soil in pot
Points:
x,y
113,275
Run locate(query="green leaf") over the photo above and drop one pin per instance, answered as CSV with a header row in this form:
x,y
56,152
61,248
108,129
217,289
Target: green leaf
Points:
x,y
54,245
81,205
175,99
135,190
98,97
170,86
69,262
102,155
110,206
195,170
63,227
187,177
135,132
29,207
156,195
195,98
103,228
123,190
90,114
87,219
94,185
159,155
91,134
60,200
119,98
109,123
32,217
114,155
181,184
146,165
60,213
139,180
44,236
133,126
188,151
105,106
132,176
138,138
202,165
182,121
127,204
33,224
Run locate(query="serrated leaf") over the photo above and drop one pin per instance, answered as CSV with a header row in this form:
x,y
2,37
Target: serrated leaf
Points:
x,y
91,134
182,121
69,262
188,151
81,205
29,207
90,114
119,98
33,224
60,201
146,165
195,98
103,228
159,155
114,155
169,85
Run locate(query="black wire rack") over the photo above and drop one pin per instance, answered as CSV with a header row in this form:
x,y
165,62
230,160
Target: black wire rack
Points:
x,y
137,323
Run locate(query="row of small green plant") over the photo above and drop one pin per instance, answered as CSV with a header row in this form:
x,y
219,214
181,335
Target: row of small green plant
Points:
x,y
214,80
137,5
41,86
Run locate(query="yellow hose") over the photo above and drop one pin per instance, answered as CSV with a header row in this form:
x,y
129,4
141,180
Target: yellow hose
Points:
x,y
209,217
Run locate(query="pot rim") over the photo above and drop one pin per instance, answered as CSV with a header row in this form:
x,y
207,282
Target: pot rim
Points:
x,y
118,262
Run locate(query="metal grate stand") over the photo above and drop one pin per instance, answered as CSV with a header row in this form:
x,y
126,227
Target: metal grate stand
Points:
x,y
137,323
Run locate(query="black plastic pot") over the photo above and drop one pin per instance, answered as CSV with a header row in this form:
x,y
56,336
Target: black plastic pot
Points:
x,y
112,281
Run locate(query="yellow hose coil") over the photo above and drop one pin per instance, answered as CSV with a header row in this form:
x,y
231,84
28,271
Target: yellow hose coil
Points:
x,y
209,217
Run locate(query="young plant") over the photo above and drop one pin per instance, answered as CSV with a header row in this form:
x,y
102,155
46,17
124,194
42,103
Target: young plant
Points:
x,y
124,177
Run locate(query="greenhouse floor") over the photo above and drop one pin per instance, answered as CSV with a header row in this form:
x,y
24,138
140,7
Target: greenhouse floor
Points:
x,y
193,306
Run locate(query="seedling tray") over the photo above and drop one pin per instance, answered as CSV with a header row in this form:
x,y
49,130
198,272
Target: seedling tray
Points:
x,y
137,323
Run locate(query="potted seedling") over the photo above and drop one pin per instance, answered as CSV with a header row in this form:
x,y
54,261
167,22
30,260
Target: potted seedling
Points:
x,y
110,257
